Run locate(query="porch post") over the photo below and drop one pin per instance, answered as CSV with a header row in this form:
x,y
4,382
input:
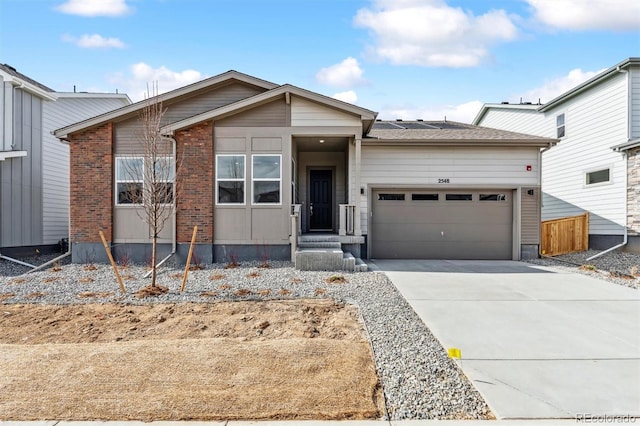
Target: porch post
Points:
x,y
357,230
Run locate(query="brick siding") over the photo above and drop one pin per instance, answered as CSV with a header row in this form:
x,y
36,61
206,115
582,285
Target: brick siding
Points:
x,y
91,189
195,182
633,191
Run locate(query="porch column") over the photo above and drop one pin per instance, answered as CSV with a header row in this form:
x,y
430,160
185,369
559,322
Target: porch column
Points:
x,y
357,230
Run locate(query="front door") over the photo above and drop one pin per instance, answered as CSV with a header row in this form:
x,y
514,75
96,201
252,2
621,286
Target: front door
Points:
x,y
320,200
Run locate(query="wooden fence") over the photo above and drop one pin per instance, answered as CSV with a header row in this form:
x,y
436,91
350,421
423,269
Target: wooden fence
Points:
x,y
566,235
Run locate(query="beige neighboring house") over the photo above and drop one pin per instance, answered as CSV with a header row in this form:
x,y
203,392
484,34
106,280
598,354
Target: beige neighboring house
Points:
x,y
595,167
279,172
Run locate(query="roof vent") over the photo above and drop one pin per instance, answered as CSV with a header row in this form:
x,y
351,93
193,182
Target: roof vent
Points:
x,y
505,102
10,67
420,119
378,119
398,119
527,103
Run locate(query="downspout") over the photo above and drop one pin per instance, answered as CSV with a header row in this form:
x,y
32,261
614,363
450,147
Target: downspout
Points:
x,y
626,212
626,172
174,210
44,265
543,150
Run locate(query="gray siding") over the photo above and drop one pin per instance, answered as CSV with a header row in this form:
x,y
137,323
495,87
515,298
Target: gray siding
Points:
x,y
127,133
21,178
634,81
530,216
69,108
273,114
254,224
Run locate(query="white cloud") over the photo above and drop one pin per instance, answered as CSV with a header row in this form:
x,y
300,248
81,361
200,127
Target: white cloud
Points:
x,y
95,7
615,15
345,74
430,33
556,87
349,96
464,113
135,84
95,41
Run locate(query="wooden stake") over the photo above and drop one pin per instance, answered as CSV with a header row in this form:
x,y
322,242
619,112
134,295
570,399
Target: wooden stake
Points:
x,y
186,267
113,262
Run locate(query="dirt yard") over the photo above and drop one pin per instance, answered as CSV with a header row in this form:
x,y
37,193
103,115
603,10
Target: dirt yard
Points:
x,y
296,359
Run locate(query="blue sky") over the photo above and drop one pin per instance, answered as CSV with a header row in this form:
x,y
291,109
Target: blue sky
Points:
x,y
403,58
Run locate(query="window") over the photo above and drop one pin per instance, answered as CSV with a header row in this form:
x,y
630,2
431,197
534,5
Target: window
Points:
x,y
129,178
560,125
493,197
598,176
424,197
266,173
459,197
230,175
391,197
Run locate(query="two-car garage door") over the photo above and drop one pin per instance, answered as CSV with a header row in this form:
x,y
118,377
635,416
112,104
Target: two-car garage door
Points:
x,y
460,224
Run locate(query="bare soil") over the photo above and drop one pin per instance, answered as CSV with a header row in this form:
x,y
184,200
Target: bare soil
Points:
x,y
295,359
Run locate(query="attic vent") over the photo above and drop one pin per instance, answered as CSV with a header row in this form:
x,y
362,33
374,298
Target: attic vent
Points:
x,y
420,119
505,102
398,119
10,67
378,119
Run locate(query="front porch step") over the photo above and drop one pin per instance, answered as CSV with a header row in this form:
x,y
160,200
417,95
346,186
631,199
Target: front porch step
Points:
x,y
319,259
323,252
319,244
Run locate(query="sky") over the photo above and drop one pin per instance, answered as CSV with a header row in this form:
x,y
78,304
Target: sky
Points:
x,y
409,59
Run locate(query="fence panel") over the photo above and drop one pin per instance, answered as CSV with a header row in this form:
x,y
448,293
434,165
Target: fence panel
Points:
x,y
566,235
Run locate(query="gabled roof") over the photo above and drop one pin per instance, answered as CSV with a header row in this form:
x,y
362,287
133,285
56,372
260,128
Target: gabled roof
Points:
x,y
448,133
128,110
11,75
597,79
504,105
604,75
268,96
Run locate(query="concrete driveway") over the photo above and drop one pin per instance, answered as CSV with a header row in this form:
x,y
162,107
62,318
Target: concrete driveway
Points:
x,y
536,342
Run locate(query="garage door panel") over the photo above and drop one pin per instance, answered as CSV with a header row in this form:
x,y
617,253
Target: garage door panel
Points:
x,y
443,228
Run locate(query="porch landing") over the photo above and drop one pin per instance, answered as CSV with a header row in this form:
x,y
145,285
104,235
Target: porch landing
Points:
x,y
323,252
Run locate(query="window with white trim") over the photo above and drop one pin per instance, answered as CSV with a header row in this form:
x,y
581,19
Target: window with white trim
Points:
x,y
230,178
129,180
266,176
560,125
598,176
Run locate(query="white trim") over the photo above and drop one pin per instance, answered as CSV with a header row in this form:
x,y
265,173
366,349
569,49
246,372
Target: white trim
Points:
x,y
254,179
597,169
12,154
243,180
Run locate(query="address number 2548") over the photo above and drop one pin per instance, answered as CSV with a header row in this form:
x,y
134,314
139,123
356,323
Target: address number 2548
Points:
x,y
444,180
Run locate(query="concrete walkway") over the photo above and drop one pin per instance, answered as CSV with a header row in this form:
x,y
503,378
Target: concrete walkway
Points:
x,y
535,341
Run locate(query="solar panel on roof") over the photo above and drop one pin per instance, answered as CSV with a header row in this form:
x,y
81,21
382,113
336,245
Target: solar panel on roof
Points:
x,y
419,126
386,126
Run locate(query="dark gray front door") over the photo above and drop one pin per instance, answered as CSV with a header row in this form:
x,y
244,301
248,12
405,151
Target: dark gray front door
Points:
x,y
320,200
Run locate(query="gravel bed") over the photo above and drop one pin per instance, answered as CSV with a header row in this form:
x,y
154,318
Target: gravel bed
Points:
x,y
419,380
617,267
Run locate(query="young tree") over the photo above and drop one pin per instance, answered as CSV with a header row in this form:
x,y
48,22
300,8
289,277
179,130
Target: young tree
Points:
x,y
152,174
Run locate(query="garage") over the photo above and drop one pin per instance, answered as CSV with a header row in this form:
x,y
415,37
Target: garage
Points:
x,y
441,224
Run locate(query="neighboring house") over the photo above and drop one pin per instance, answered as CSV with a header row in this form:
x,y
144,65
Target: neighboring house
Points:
x,y
262,163
34,165
595,166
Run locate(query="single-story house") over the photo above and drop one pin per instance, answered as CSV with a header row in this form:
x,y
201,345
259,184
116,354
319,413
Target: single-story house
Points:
x,y
34,165
280,172
595,167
